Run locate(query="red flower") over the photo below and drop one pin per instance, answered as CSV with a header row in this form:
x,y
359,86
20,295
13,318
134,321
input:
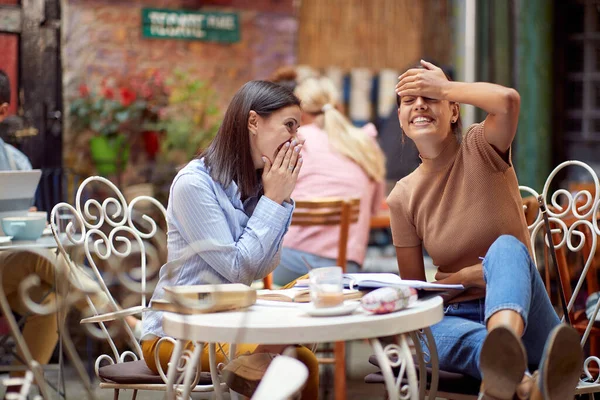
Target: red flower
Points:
x,y
84,91
127,96
108,93
146,91
158,78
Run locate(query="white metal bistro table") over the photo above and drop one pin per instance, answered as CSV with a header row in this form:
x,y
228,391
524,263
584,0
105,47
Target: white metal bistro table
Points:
x,y
291,325
42,247
45,242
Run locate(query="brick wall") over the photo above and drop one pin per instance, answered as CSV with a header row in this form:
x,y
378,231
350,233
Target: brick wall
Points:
x,y
103,38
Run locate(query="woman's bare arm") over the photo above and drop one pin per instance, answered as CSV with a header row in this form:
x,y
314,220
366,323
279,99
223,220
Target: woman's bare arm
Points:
x,y
410,262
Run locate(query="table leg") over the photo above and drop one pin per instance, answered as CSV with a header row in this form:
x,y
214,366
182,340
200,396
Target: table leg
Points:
x,y
420,357
424,356
214,374
172,371
191,370
435,362
397,355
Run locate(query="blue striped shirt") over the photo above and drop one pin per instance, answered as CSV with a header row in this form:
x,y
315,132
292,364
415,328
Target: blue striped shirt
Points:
x,y
215,238
12,159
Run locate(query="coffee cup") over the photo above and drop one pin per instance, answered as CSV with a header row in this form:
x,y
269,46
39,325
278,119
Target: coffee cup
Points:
x,y
326,288
27,227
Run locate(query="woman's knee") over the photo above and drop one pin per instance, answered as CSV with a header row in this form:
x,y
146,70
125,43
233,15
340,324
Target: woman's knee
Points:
x,y
308,358
506,242
507,247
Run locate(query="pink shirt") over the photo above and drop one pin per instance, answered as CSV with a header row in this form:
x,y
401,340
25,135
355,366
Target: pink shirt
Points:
x,y
325,173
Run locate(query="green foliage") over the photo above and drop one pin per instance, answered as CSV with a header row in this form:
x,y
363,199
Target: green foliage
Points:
x,y
191,119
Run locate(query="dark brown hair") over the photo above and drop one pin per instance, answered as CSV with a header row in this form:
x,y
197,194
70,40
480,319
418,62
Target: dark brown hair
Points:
x,y
229,157
456,126
4,88
285,76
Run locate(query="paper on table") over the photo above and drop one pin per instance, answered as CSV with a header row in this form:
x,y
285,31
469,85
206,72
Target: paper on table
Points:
x,y
363,281
275,303
299,295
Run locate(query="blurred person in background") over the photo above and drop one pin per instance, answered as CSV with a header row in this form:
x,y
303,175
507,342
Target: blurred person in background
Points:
x,y
286,76
341,161
11,159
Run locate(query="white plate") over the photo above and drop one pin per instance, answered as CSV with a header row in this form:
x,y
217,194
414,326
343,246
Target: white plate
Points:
x,y
5,239
345,309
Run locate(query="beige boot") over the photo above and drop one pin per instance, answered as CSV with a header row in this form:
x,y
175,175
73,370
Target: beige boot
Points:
x,y
244,373
560,367
502,364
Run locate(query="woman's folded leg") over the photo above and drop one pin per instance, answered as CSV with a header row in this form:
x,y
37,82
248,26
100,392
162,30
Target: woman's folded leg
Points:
x,y
307,357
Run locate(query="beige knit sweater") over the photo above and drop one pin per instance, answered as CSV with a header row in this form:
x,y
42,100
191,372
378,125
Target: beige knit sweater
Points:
x,y
459,203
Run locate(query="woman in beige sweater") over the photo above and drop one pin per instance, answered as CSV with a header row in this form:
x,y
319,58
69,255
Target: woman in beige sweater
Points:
x,y
462,204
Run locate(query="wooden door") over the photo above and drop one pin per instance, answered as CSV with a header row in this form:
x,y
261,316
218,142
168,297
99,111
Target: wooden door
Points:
x,y
30,54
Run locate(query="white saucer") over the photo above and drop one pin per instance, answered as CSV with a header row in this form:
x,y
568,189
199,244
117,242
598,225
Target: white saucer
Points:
x,y
345,309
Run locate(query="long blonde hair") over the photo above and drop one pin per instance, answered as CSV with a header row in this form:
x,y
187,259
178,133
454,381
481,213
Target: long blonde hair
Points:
x,y
319,97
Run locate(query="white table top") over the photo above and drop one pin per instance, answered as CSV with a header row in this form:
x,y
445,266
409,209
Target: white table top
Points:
x,y
290,325
45,242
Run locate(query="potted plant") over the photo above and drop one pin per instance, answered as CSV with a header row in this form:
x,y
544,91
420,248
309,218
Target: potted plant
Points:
x,y
155,92
110,112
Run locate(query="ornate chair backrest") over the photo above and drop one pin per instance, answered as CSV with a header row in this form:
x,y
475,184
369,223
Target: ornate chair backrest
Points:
x,y
107,230
574,227
329,211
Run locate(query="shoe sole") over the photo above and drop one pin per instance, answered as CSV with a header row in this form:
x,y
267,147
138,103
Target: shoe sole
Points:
x,y
243,386
244,379
502,363
564,360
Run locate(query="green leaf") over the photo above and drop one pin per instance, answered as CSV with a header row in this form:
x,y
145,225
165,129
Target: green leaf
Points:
x,y
212,110
122,116
96,126
98,105
82,112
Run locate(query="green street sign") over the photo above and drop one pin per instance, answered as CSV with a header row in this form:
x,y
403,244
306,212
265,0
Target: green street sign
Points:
x,y
190,25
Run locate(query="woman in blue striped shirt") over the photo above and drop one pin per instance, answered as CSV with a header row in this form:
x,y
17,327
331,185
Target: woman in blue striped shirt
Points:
x,y
227,214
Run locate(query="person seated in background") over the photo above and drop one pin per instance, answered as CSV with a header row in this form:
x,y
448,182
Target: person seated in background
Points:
x,y
285,76
11,159
340,161
18,265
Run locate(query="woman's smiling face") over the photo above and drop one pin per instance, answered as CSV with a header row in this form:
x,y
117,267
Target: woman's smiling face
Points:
x,y
269,134
422,116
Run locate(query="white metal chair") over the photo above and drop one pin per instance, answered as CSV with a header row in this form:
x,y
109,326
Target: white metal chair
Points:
x,y
107,230
574,224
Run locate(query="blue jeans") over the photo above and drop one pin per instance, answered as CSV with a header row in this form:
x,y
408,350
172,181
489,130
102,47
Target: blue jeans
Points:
x,y
291,266
512,283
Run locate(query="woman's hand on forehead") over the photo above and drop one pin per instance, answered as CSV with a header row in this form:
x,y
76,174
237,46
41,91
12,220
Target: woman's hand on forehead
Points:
x,y
429,81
